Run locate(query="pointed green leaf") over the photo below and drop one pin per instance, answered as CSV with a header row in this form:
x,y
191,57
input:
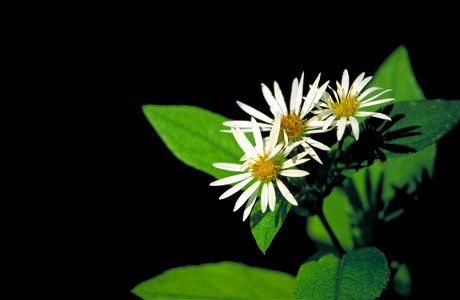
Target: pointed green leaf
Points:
x,y
396,74
193,135
265,226
223,280
359,274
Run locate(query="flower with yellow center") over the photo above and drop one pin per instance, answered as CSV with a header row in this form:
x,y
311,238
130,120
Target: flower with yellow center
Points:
x,y
295,122
348,102
264,167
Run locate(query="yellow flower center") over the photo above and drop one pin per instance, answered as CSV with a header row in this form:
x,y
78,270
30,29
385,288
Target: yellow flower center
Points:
x,y
346,107
293,125
266,169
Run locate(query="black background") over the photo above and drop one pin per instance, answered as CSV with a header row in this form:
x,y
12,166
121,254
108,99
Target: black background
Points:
x,y
145,211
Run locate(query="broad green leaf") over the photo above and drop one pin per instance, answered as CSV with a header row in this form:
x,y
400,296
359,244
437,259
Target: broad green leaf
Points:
x,y
193,135
337,210
359,274
265,226
223,280
396,74
435,118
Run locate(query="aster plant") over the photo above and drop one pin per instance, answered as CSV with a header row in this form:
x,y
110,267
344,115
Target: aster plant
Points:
x,y
343,138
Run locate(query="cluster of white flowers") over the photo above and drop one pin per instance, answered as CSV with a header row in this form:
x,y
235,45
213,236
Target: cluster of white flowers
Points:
x,y
265,164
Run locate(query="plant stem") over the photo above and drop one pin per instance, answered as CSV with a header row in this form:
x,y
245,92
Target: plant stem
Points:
x,y
334,239
339,148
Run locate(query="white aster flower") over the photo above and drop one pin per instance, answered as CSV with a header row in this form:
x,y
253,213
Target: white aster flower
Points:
x,y
348,102
264,167
293,121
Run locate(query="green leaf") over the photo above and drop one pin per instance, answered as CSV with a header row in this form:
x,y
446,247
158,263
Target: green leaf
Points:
x,y
360,274
265,226
193,136
223,280
337,210
435,119
396,74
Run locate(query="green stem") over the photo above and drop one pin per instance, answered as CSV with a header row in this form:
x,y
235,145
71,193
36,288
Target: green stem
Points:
x,y
334,239
340,146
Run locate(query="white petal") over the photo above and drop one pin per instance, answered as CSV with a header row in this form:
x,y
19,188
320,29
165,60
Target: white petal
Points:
x,y
245,124
294,173
340,91
264,198
381,116
245,195
246,165
244,143
235,188
316,144
257,136
245,130
321,91
326,97
299,96
275,132
249,205
356,83
254,112
310,96
270,99
314,122
337,95
296,160
319,130
280,98
367,92
275,151
354,127
363,84
372,114
364,113
271,196
230,179
341,124
318,95
228,167
295,85
328,122
291,147
285,192
325,113
312,152
374,97
376,102
345,82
